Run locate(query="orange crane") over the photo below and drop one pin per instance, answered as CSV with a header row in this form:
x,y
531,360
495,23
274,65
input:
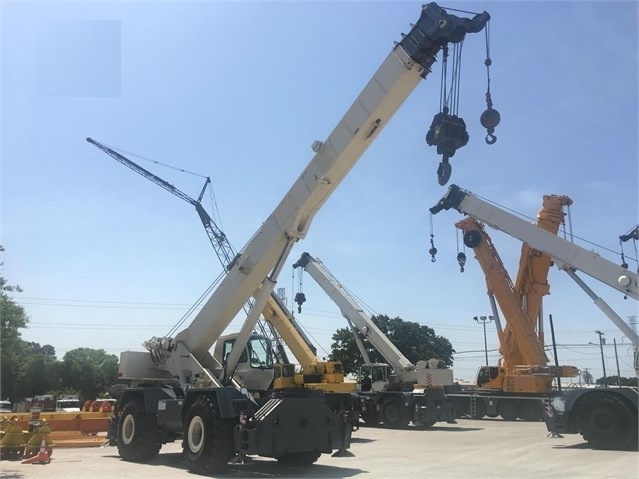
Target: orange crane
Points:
x,y
531,284
605,417
523,373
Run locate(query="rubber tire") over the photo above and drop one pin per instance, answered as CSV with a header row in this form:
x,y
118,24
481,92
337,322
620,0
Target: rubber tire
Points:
x,y
531,410
606,421
371,418
298,459
480,410
508,409
214,434
426,425
394,413
142,430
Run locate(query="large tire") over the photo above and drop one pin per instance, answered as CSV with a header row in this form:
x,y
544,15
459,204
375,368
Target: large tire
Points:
x,y
207,442
371,418
298,459
508,409
137,437
394,414
606,421
531,410
480,410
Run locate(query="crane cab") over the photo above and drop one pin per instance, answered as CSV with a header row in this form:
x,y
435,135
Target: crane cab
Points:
x,y
255,367
374,377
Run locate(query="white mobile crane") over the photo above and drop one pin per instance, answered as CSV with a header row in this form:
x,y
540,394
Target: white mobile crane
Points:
x,y
605,417
180,394
395,392
257,371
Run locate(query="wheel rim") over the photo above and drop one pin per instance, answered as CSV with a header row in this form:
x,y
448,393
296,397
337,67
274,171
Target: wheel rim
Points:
x,y
602,420
128,429
391,413
196,434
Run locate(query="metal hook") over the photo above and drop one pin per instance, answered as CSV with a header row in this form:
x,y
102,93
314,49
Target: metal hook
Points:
x,y
432,251
491,139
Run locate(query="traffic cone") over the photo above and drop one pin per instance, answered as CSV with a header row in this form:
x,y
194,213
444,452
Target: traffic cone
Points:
x,y
42,457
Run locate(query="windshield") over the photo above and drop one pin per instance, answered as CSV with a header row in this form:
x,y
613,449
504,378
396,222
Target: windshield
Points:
x,y
261,354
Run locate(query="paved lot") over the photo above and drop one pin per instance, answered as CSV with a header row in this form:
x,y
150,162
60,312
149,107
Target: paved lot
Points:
x,y
469,449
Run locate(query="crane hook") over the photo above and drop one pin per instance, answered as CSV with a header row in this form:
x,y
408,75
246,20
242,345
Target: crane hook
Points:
x,y
461,259
489,119
300,299
432,251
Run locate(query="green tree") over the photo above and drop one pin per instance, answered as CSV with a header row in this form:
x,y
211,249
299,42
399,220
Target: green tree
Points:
x,y
414,340
12,349
614,381
89,371
40,372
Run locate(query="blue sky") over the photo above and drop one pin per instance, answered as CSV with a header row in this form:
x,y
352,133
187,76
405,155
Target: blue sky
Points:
x,y
239,91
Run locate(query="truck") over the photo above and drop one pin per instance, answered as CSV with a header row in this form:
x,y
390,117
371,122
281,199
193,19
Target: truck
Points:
x,y
182,391
50,403
68,403
6,406
513,389
393,393
605,417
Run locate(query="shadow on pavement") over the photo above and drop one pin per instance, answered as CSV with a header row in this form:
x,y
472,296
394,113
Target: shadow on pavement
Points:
x,y
259,468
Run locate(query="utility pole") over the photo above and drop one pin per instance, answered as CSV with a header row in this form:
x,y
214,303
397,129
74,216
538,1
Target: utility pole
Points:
x,y
603,362
614,340
483,320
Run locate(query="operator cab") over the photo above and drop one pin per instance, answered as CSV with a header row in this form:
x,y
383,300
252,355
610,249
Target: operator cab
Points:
x,y
485,374
255,366
374,377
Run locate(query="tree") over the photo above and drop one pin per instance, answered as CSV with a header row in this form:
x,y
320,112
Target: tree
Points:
x,y
12,318
39,372
90,371
415,341
614,381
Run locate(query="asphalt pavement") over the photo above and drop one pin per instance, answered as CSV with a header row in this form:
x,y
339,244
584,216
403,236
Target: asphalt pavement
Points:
x,y
468,449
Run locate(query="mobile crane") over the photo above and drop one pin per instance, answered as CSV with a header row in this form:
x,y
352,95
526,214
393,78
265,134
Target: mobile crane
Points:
x,y
605,417
514,388
327,376
181,395
395,392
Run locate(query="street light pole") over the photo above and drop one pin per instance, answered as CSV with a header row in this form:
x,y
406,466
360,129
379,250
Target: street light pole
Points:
x,y
483,320
603,362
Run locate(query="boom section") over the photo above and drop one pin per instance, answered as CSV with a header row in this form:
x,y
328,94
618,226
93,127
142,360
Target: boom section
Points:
x,y
531,284
566,255
278,315
262,258
352,311
518,340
